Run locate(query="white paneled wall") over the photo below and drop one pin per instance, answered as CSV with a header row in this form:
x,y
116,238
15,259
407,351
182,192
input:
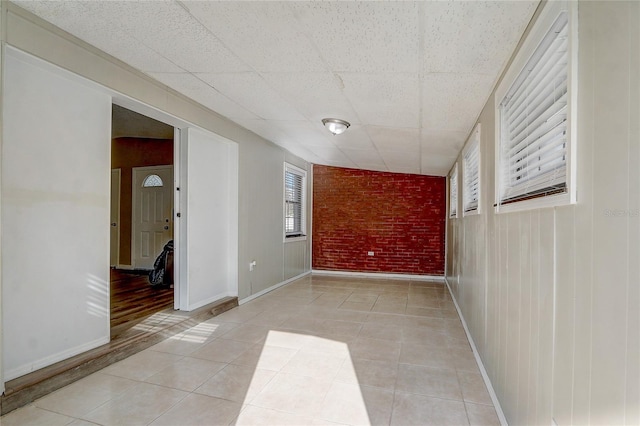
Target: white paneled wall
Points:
x,y
551,296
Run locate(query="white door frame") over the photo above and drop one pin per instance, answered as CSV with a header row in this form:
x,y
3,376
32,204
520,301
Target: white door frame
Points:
x,y
177,214
117,173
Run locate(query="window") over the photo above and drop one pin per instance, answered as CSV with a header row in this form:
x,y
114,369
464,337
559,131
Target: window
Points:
x,y
453,192
295,184
534,113
151,181
471,173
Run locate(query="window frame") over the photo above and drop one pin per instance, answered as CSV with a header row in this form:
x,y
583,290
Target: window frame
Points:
x,y
473,143
454,173
302,234
541,27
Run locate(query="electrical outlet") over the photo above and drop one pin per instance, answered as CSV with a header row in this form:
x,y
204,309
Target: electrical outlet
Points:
x,y
370,253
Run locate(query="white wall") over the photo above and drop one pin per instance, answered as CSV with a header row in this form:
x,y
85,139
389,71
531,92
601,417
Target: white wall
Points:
x,y
551,296
55,203
260,163
209,219
261,220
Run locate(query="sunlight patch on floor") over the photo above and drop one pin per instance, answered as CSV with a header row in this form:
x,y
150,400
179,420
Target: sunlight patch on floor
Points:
x,y
198,334
305,386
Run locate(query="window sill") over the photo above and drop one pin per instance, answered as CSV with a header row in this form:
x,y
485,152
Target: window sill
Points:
x,y
294,239
474,212
535,203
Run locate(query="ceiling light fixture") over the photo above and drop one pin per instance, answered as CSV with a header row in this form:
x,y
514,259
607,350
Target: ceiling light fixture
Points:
x,y
335,126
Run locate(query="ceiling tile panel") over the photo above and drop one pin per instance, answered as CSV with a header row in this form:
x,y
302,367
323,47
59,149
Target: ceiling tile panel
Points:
x,y
332,155
305,133
252,92
107,36
395,139
437,165
384,100
201,92
473,36
454,101
354,138
364,156
363,36
442,142
169,29
315,95
395,159
405,170
263,36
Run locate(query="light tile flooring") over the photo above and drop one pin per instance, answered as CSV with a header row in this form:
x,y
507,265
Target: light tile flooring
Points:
x,y
319,351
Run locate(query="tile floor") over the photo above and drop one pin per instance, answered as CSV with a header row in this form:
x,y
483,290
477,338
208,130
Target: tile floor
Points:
x,y
319,351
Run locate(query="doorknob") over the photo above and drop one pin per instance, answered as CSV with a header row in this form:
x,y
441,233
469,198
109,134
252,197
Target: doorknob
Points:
x,y
166,227
114,224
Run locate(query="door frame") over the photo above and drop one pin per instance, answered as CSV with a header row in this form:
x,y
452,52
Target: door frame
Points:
x,y
118,189
134,197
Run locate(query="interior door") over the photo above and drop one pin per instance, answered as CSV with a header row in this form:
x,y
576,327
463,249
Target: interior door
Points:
x,y
152,213
115,218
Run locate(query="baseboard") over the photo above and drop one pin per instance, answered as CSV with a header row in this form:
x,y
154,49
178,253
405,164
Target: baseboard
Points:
x,y
438,278
273,287
209,301
52,359
125,267
483,371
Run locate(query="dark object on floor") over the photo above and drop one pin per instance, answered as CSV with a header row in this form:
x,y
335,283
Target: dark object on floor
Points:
x,y
162,273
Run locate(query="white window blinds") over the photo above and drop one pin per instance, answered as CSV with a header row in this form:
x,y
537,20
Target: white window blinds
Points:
x,y
533,114
294,196
471,172
453,192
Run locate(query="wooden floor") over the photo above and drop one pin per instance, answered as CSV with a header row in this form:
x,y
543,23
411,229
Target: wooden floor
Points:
x,y
133,299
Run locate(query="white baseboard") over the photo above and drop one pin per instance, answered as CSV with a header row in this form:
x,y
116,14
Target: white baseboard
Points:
x,y
125,267
483,371
438,278
52,359
209,300
273,287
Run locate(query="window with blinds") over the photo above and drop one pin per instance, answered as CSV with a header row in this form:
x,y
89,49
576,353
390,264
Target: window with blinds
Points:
x,y
471,173
453,192
294,201
533,114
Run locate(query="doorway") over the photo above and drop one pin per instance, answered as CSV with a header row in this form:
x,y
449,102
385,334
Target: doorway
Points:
x,y
142,153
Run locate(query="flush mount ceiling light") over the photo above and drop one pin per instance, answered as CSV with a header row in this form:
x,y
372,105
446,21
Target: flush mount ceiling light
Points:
x,y
335,126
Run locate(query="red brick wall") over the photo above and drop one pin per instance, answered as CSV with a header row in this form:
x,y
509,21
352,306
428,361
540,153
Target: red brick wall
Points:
x,y
400,217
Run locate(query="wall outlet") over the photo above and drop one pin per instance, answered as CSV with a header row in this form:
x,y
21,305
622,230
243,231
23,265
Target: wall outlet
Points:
x,y
370,253
252,265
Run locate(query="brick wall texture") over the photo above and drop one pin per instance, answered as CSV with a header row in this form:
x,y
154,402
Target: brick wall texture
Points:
x,y
399,217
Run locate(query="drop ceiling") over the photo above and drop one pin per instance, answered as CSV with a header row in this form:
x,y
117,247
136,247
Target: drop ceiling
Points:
x,y
410,77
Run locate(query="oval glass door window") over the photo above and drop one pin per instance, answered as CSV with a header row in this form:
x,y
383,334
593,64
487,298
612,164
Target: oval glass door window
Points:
x,y
152,180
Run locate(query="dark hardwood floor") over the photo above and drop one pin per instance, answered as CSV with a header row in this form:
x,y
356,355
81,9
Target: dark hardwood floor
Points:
x,y
133,299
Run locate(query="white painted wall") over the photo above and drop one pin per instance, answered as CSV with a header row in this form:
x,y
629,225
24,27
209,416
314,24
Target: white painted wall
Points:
x,y
209,219
552,296
67,325
260,161
259,217
55,212
261,220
